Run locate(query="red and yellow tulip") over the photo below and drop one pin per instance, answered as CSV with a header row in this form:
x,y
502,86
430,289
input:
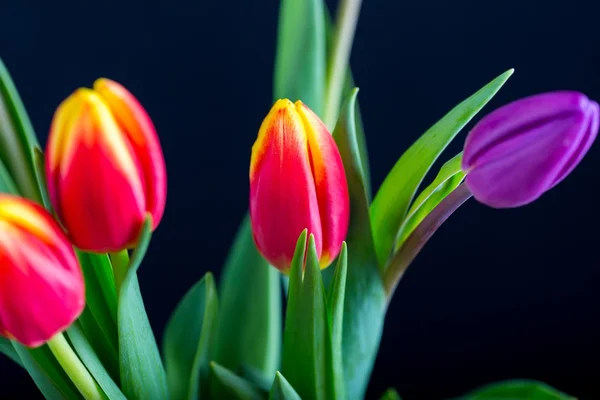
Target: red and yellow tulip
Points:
x,y
105,167
297,182
41,284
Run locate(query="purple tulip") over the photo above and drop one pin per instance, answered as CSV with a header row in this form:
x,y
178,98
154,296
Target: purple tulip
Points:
x,y
525,148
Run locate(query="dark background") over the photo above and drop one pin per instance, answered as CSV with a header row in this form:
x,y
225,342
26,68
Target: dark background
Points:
x,y
494,295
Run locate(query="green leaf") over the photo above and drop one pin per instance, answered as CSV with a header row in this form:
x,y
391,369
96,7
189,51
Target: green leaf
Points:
x,y
188,336
17,138
365,299
335,304
249,323
225,385
7,185
300,56
517,390
46,373
257,378
142,373
448,179
307,349
393,198
99,319
91,361
391,394
8,350
282,390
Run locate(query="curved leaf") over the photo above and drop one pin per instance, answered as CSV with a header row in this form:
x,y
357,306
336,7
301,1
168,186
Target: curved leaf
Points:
x,y
17,138
8,350
46,373
90,359
249,322
517,390
365,298
228,386
282,390
187,340
142,373
448,179
393,198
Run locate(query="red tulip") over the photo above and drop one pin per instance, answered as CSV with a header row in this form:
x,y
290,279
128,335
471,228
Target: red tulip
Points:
x,y
105,167
41,284
297,182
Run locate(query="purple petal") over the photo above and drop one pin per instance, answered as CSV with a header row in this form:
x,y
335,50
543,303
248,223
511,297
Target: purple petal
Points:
x,y
521,150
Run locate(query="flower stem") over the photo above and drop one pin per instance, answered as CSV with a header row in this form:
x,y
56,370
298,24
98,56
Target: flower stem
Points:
x,y
80,376
419,237
345,26
120,264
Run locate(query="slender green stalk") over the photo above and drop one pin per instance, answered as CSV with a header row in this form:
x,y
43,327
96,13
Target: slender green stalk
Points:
x,y
419,237
80,376
345,26
120,264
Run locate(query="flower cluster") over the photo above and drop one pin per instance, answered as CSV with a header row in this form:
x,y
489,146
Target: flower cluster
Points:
x,y
105,171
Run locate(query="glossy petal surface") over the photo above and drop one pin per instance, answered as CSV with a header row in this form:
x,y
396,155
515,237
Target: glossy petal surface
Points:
x,y
41,284
521,150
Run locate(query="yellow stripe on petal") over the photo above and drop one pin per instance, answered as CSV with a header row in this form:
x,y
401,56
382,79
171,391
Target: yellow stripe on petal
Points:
x,y
60,131
99,127
19,213
283,114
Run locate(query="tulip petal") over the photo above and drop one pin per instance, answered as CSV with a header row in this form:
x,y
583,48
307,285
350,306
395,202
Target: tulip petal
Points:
x,y
521,150
330,183
137,125
283,199
41,284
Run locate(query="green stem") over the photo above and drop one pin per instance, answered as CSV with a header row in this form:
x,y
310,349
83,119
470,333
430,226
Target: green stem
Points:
x,y
120,264
345,26
80,376
419,237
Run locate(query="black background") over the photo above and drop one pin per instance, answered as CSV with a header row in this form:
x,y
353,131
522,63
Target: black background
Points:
x,y
495,294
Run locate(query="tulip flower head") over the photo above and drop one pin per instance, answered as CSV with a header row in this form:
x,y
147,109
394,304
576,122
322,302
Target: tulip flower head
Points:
x,y
525,148
105,167
41,284
297,182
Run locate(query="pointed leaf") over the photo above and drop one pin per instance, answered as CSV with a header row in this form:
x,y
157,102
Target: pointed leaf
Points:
x,y
228,386
448,179
282,390
517,390
17,138
99,320
391,394
249,322
91,361
307,352
8,350
300,57
365,299
335,304
188,336
394,197
142,373
46,373
7,185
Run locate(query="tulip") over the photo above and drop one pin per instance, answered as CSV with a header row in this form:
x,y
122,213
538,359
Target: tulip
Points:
x,y
297,182
523,149
105,168
41,285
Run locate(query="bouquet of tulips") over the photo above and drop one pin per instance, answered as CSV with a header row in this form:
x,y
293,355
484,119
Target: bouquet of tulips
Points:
x,y
316,247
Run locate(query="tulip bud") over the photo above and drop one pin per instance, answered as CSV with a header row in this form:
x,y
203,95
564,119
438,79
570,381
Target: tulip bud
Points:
x,y
41,285
105,167
525,148
297,182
